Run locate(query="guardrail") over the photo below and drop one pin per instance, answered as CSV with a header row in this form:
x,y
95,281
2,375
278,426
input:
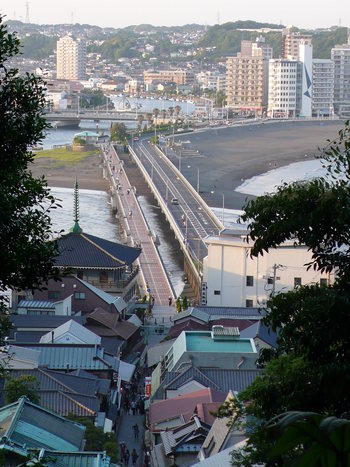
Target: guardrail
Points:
x,y
191,189
167,213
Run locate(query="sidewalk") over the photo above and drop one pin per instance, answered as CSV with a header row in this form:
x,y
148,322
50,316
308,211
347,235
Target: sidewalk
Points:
x,y
126,434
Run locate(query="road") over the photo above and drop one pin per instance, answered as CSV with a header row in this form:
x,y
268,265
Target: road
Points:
x,y
190,213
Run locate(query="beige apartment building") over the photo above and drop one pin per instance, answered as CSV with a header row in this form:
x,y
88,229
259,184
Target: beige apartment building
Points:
x,y
71,58
247,78
168,76
291,42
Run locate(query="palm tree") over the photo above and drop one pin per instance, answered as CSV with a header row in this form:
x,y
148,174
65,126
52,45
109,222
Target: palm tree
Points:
x,y
177,111
163,114
155,113
171,111
148,118
140,120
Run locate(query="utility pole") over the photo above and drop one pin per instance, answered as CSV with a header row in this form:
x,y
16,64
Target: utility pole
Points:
x,y
180,161
274,267
198,180
223,209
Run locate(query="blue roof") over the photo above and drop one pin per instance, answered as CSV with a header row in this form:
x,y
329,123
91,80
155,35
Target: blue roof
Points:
x,y
87,133
236,312
82,250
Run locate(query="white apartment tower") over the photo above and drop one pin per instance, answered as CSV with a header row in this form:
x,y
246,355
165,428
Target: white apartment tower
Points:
x,y
284,88
322,87
71,58
341,62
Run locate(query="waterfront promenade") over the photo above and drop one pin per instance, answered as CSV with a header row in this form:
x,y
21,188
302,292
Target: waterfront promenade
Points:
x,y
154,277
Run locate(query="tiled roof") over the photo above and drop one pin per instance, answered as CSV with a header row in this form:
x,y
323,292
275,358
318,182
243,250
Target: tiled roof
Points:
x,y
169,408
100,319
38,322
37,304
87,251
247,313
86,357
76,459
64,403
118,302
188,432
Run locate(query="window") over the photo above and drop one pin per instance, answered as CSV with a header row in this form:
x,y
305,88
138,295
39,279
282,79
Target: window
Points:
x,y
79,295
270,280
297,281
323,282
216,292
53,294
250,281
249,303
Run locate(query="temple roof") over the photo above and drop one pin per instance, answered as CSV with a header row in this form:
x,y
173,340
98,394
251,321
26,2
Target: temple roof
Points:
x,y
82,250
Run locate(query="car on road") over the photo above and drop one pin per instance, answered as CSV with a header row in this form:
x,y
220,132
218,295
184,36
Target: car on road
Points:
x,y
174,201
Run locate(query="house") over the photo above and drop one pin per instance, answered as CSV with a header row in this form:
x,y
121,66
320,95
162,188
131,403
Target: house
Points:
x,y
174,412
89,137
45,308
192,379
220,437
85,297
181,444
31,426
263,336
29,431
70,332
231,276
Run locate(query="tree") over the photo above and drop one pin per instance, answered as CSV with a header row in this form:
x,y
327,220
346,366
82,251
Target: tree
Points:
x,y
171,111
163,114
177,111
118,132
155,114
140,120
148,117
24,385
27,250
309,371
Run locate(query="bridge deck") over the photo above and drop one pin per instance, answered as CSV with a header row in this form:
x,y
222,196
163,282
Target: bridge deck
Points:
x,y
150,262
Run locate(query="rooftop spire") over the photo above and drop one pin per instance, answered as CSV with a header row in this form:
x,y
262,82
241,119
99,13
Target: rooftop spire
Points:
x,y
76,227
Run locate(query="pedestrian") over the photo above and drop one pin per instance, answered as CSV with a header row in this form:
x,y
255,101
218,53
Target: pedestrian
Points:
x,y
122,451
136,431
133,407
134,457
126,457
152,301
170,299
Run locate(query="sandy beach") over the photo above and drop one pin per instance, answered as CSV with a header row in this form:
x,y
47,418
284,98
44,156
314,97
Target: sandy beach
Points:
x,y
229,156
88,172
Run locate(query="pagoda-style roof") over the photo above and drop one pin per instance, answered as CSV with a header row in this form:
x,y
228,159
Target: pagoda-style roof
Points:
x,y
85,251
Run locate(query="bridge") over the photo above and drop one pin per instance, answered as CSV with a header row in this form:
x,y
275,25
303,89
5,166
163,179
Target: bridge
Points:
x,y
189,216
74,117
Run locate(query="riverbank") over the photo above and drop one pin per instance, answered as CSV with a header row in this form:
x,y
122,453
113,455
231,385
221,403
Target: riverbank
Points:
x,y
61,168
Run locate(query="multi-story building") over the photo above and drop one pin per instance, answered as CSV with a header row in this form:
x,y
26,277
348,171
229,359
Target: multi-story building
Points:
x,y
322,87
247,78
231,277
305,58
341,62
290,43
168,76
71,58
284,88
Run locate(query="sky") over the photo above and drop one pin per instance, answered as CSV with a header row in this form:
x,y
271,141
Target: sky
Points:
x,y
108,13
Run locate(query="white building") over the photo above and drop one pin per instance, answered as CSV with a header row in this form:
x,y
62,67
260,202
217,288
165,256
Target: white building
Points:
x,y
284,88
322,87
231,277
341,61
305,58
71,58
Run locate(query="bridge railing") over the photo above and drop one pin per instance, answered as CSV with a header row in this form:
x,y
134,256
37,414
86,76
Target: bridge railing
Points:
x,y
167,213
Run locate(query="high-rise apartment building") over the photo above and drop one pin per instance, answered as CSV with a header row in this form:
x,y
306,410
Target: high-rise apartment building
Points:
x,y
284,88
290,43
71,58
305,58
341,62
322,87
247,77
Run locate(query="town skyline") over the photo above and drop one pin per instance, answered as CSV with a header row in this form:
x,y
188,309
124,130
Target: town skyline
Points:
x,y
158,14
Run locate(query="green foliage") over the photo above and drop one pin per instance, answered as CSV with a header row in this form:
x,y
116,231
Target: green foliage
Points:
x,y
310,369
79,140
178,304
184,303
38,46
122,44
118,132
27,254
316,440
90,98
22,386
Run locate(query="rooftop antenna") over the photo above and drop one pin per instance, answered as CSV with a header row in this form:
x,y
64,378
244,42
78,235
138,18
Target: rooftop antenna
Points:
x,y
27,13
76,227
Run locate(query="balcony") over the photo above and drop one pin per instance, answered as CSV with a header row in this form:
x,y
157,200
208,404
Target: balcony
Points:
x,y
117,285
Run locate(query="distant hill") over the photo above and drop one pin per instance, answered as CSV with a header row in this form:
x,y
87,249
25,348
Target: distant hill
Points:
x,y
226,39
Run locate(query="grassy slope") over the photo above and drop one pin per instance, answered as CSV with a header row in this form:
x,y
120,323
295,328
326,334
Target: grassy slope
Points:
x,y
55,158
